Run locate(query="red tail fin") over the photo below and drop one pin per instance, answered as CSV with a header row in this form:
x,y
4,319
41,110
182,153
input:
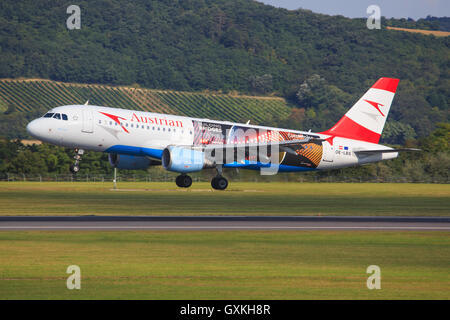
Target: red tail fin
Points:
x,y
365,120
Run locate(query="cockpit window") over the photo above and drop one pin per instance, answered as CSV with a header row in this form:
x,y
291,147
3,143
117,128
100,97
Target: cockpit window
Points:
x,y
56,116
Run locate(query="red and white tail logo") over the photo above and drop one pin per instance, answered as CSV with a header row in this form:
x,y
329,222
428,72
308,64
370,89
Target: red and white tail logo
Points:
x,y
365,120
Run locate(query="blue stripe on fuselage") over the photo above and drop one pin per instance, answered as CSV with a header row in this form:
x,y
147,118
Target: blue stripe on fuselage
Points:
x,y
258,166
135,151
157,153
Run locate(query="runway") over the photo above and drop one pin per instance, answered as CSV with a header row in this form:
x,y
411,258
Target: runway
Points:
x,y
118,223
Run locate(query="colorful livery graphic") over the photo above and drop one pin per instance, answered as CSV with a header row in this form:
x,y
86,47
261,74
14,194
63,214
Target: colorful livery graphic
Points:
x,y
306,155
137,140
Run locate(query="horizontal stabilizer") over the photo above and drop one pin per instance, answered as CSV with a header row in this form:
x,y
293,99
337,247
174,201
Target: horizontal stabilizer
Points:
x,y
385,151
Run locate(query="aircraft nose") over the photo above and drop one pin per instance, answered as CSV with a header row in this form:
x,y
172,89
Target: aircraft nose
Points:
x,y
34,129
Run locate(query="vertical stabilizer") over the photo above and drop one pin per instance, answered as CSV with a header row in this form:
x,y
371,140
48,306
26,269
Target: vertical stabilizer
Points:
x,y
365,120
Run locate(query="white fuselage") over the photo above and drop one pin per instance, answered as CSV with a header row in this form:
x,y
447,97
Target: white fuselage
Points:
x,y
147,134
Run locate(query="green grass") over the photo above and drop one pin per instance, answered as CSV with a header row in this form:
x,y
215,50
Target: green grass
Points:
x,y
65,198
225,265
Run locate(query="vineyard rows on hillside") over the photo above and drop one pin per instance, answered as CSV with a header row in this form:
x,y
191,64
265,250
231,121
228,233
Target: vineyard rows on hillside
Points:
x,y
31,95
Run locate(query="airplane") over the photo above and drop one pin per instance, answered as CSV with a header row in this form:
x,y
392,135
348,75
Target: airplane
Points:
x,y
137,140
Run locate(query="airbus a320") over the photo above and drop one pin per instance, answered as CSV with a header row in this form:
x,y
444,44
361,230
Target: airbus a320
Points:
x,y
136,140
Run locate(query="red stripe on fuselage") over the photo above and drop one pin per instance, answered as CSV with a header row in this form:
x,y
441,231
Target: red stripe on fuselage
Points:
x,y
347,128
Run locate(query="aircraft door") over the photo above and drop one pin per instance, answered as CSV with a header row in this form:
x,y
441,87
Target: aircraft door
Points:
x,y
88,121
328,152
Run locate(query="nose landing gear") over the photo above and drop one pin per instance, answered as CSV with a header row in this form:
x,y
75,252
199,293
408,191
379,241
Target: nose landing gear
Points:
x,y
74,168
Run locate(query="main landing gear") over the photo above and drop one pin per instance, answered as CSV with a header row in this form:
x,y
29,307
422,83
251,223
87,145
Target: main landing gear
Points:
x,y
219,182
183,181
74,168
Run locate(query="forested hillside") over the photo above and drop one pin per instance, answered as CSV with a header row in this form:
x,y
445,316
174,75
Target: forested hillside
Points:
x,y
321,64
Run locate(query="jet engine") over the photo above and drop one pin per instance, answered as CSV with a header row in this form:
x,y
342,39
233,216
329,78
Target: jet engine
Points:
x,y
122,161
184,160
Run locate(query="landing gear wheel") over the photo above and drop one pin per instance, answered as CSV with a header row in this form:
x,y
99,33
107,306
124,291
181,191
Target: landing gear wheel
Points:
x,y
74,168
219,183
183,181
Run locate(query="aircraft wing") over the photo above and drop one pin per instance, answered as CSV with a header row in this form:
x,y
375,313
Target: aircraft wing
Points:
x,y
288,146
284,146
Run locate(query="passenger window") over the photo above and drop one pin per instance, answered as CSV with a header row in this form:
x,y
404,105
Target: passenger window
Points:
x,y
64,116
48,115
57,116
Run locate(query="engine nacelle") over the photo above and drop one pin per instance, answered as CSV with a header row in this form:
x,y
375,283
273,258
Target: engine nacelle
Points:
x,y
184,160
123,161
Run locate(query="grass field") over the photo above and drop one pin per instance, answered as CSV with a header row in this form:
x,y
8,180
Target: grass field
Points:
x,y
224,265
65,198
